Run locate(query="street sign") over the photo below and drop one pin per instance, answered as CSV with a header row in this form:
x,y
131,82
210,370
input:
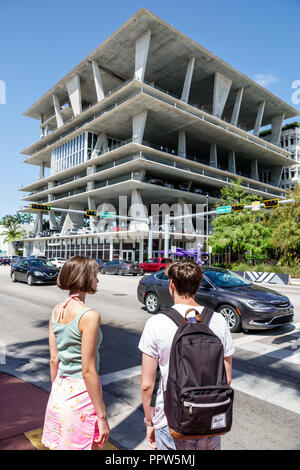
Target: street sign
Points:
x,y
173,249
107,215
223,210
269,203
238,207
40,207
255,205
91,213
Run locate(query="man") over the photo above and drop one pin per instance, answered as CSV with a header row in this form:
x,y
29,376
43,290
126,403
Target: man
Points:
x,y
155,344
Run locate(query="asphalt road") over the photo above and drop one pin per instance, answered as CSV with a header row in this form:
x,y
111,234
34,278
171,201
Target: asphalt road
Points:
x,y
266,364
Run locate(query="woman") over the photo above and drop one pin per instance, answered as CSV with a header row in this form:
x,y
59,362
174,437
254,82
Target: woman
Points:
x,y
75,416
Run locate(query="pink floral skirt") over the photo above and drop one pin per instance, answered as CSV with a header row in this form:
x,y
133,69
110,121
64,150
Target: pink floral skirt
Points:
x,y
71,421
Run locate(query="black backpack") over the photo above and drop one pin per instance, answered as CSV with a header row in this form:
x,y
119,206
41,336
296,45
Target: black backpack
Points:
x,y
197,401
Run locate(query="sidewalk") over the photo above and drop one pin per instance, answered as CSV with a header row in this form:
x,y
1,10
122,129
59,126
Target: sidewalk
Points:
x,y
22,411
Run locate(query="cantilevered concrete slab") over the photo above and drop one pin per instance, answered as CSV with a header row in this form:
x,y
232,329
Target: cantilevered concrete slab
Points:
x,y
169,54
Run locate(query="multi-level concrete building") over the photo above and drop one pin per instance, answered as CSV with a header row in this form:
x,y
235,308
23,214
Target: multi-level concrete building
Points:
x,y
290,140
153,117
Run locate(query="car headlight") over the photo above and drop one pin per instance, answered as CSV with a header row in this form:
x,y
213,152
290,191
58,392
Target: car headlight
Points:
x,y
38,273
259,305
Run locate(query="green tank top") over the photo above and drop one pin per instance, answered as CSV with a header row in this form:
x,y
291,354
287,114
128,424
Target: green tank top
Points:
x,y
68,339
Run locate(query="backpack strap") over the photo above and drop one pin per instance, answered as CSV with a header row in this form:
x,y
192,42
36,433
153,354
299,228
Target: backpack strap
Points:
x,y
173,315
178,320
206,315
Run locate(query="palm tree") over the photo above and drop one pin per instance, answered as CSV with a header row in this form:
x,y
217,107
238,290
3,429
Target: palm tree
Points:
x,y
12,234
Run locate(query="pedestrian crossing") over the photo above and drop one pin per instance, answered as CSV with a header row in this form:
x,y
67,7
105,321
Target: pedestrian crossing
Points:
x,y
263,389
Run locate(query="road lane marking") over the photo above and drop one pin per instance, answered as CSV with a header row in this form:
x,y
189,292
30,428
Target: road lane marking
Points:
x,y
263,389
274,393
121,375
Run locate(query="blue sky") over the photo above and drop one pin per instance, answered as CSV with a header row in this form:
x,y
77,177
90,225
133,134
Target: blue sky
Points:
x,y
41,41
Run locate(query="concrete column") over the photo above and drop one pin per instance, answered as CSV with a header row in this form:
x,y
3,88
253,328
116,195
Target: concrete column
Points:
x,y
187,223
213,155
42,171
254,169
138,210
276,128
237,107
52,220
98,81
276,175
101,145
38,223
74,92
138,126
259,116
73,220
111,249
182,144
141,250
188,80
231,161
141,54
93,220
90,185
59,118
222,87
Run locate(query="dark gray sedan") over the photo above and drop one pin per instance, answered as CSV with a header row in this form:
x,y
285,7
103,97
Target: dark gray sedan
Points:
x,y
243,304
120,267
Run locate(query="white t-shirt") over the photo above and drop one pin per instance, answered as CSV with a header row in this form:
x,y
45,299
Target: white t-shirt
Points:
x,y
156,341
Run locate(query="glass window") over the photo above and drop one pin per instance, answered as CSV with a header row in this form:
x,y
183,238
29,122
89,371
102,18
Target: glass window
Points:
x,y
162,276
225,279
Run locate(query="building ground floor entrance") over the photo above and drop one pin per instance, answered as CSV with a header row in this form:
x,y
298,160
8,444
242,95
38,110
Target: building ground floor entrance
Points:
x,y
99,247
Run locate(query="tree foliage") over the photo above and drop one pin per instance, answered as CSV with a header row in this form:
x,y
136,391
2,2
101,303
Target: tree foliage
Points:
x,y
255,235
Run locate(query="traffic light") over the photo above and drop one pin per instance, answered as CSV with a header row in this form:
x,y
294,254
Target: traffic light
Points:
x,y
91,213
40,207
238,207
270,203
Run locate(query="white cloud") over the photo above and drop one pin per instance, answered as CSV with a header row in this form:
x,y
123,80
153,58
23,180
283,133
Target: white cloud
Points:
x,y
265,79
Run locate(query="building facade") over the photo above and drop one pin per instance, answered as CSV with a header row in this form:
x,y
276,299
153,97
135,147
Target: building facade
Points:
x,y
148,118
290,141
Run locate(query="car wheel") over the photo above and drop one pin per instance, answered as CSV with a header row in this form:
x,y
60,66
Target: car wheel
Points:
x,y
152,303
232,317
102,271
120,272
142,272
30,281
13,277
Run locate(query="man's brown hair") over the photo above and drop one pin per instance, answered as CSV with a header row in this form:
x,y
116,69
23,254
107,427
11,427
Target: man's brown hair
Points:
x,y
77,274
186,277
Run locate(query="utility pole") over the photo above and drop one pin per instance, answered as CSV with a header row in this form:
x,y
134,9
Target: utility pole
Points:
x,y
150,237
167,235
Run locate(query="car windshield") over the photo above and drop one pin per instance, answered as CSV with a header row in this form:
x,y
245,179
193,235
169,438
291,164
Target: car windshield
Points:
x,y
41,263
226,279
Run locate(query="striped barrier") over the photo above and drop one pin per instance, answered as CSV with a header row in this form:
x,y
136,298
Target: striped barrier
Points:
x,y
270,278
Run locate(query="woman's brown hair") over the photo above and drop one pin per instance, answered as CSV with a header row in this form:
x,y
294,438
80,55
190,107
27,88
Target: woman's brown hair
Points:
x,y
77,274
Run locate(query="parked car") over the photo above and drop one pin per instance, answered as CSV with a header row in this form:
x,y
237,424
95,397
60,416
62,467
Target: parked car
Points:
x,y
100,263
58,262
120,267
5,260
197,190
34,271
184,186
243,304
154,264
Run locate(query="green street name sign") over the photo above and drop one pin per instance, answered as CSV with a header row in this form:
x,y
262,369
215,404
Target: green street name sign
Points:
x,y
223,210
107,215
